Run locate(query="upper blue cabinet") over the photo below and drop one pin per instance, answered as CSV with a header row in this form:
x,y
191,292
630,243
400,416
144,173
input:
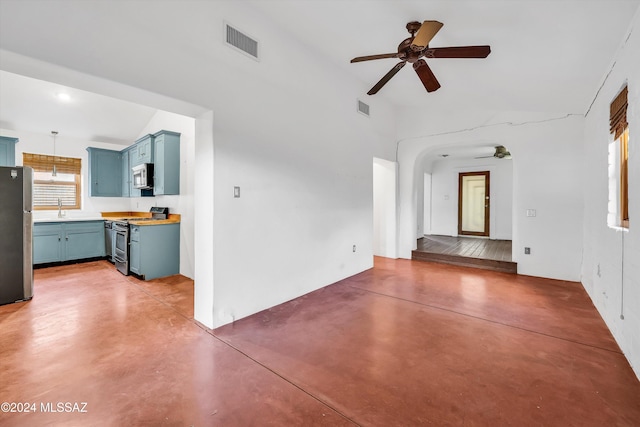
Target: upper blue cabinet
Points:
x,y
166,168
8,151
110,171
105,173
142,151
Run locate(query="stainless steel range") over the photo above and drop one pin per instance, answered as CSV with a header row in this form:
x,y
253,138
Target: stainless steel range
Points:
x,y
121,228
122,246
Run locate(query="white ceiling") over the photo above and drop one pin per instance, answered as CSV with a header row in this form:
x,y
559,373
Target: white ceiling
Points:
x,y
547,56
33,105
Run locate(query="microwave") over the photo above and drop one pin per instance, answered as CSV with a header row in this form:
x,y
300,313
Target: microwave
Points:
x,y
143,176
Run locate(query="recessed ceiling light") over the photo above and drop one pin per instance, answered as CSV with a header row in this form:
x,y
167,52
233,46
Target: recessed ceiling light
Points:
x,y
63,96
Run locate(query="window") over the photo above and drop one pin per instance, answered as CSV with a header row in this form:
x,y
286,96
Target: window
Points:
x,y
49,189
624,178
619,173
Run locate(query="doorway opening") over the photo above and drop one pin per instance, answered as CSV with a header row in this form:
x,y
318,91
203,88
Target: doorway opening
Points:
x,y
473,203
384,208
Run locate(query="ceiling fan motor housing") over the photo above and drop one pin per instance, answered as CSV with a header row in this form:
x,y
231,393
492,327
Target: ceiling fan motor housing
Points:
x,y
501,152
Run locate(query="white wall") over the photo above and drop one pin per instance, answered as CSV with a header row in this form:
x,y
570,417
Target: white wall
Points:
x,y
287,133
444,195
203,221
37,143
608,251
384,208
427,205
183,203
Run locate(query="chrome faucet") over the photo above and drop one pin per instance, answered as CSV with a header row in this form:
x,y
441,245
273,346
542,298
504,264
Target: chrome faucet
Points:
x,y
59,208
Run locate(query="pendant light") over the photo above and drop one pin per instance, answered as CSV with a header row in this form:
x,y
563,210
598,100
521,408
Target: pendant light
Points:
x,y
55,134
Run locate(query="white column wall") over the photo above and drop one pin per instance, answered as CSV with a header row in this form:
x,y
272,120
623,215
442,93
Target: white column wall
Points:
x,y
203,219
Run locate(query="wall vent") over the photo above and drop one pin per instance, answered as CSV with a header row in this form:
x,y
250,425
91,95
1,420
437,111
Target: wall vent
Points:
x,y
363,108
241,41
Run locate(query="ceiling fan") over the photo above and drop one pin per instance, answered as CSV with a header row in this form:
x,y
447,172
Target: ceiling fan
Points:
x,y
414,48
500,153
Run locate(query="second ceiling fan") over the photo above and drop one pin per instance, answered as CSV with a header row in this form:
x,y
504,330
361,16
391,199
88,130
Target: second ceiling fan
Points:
x,y
416,47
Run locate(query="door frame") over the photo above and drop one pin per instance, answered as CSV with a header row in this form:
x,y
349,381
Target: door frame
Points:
x,y
487,205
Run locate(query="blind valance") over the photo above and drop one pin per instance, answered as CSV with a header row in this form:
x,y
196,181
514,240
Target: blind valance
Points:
x,y
618,114
44,163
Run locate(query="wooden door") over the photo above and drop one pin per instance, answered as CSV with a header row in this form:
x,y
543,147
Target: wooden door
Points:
x,y
473,203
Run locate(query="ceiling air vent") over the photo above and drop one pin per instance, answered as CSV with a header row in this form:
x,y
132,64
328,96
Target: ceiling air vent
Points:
x,y
241,41
363,108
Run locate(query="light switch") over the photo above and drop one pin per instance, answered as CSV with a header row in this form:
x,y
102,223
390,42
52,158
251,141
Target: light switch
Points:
x,y
531,212
236,192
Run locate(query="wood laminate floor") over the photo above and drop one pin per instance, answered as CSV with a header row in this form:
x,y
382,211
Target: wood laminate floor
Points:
x,y
466,251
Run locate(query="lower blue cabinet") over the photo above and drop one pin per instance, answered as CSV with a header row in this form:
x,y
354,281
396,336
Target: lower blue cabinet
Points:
x,y
47,242
66,241
154,250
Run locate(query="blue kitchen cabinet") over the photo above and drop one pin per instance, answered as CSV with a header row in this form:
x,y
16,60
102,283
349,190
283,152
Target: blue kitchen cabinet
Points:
x,y
105,173
128,190
166,171
47,242
67,241
126,173
8,151
154,250
84,239
134,248
142,151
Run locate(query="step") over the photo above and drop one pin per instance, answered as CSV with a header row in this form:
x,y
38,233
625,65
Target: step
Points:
x,y
485,264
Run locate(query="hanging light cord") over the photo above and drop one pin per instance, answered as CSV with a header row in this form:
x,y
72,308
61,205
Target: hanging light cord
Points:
x,y
622,281
55,134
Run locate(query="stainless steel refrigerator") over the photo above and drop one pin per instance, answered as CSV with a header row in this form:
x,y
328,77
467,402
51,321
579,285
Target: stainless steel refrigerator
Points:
x,y
16,231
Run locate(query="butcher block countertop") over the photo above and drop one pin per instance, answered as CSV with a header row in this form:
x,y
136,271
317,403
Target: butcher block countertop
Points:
x,y
140,218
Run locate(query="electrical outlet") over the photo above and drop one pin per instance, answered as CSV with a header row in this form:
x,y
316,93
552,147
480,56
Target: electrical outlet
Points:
x,y
527,251
236,192
354,248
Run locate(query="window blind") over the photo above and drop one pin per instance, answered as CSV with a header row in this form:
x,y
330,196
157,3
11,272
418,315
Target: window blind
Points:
x,y
618,114
44,163
46,194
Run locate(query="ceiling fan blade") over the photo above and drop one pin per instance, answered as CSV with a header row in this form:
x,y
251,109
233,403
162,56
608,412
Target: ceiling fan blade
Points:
x,y
458,52
426,32
383,81
427,77
371,57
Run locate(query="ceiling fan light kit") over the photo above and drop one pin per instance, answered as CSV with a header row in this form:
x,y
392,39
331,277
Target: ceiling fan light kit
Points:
x,y
500,153
416,47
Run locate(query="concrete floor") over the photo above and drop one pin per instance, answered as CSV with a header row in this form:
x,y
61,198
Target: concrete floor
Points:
x,y
406,343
